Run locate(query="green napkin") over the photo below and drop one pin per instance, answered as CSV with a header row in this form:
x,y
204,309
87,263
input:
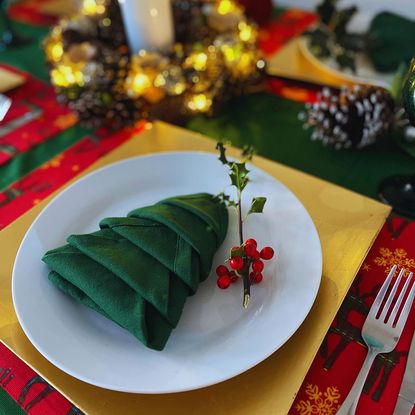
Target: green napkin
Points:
x,y
139,270
394,41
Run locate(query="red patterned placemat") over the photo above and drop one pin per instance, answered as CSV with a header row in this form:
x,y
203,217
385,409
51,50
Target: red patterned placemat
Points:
x,y
342,353
37,185
30,11
37,97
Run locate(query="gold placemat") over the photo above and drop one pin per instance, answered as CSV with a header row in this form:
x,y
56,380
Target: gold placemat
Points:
x,y
347,224
9,80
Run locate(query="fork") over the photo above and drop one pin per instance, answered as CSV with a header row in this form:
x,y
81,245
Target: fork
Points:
x,y
380,334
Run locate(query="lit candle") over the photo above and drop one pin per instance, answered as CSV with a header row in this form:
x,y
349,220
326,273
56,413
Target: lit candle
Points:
x,y
148,24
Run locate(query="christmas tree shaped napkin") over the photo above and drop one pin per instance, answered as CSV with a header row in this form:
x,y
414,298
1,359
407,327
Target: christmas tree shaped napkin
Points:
x,y
139,270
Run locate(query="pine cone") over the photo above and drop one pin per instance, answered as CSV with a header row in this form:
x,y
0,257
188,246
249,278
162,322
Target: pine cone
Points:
x,y
353,118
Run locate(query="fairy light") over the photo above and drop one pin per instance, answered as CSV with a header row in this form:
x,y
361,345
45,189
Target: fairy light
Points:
x,y
66,75
140,83
197,61
92,7
226,6
246,32
199,103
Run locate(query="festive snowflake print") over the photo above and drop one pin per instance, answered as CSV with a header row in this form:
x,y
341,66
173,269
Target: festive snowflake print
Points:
x,y
399,257
318,402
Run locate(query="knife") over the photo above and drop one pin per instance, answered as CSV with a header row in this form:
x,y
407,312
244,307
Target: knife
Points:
x,y
35,112
406,397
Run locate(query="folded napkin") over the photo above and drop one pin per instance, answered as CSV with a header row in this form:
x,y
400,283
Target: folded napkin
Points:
x,y
139,270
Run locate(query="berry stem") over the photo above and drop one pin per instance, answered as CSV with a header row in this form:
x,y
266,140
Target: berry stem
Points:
x,y
245,270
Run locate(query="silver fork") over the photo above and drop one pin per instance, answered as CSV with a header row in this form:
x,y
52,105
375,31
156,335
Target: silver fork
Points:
x,y
379,334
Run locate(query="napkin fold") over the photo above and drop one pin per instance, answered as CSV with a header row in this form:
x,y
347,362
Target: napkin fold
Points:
x,y
139,270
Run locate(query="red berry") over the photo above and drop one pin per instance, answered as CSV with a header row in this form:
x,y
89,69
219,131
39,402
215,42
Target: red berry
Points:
x,y
236,262
251,242
250,250
256,255
258,278
224,281
257,266
233,276
267,253
221,270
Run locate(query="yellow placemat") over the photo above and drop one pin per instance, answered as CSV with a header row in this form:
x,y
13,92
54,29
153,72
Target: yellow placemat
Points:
x,y
9,80
347,224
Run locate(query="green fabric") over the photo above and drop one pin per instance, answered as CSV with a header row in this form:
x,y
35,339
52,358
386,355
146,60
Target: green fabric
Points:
x,y
30,57
395,41
8,406
24,163
270,123
138,271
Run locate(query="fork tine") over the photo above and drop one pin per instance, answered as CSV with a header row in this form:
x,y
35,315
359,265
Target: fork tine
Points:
x,y
400,299
406,308
381,294
391,296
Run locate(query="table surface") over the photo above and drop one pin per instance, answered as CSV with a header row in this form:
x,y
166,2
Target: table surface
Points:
x,y
270,123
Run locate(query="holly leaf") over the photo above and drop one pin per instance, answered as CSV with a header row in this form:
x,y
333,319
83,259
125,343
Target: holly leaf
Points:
x,y
225,199
346,60
248,152
257,205
342,19
220,146
326,10
239,175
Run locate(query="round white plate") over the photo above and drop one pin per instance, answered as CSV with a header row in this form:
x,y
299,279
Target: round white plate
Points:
x,y
216,338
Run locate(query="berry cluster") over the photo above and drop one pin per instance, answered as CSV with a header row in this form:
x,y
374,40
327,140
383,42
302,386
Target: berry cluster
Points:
x,y
245,259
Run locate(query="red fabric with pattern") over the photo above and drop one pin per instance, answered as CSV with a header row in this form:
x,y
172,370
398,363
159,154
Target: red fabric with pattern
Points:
x,y
30,11
35,95
40,183
28,389
342,353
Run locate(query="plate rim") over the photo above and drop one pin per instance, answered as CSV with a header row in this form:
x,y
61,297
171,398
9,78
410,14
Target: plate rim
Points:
x,y
200,385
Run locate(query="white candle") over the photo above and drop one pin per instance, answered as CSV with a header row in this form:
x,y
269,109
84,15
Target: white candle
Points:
x,y
148,24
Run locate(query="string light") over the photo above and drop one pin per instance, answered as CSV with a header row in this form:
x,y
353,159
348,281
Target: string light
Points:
x,y
196,61
226,6
66,76
199,103
92,7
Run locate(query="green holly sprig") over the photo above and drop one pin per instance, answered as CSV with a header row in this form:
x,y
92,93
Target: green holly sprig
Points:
x,y
245,260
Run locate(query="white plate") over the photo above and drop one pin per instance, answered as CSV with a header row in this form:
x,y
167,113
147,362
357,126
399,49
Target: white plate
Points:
x,y
365,71
216,338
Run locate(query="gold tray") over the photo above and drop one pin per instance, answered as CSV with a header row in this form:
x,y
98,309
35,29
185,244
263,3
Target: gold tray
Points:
x,y
347,224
